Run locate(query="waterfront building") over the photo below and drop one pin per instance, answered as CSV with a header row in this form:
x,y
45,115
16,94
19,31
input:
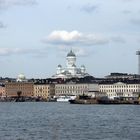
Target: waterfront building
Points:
x,y
14,89
76,89
128,88
44,91
71,69
21,87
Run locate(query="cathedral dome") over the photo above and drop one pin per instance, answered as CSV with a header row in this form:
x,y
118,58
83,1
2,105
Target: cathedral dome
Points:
x,y
73,65
71,53
21,76
83,67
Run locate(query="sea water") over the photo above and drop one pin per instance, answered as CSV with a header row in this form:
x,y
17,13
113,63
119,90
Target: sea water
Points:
x,y
64,121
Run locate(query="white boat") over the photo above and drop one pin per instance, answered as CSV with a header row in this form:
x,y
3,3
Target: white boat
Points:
x,y
65,98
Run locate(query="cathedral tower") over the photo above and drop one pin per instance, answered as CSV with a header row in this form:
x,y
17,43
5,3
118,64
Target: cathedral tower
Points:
x,y
71,59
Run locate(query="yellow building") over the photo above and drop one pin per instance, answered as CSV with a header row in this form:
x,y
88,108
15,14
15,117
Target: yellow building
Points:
x,y
129,88
44,91
14,89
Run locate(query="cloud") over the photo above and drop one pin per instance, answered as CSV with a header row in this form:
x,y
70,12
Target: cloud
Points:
x,y
21,51
2,25
7,51
138,40
126,12
74,38
8,3
89,8
11,51
135,21
126,0
118,39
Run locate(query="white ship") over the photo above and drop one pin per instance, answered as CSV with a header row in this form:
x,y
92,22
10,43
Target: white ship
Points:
x,y
65,98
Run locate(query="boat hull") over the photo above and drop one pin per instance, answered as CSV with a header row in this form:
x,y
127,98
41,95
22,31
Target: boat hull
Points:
x,y
89,101
115,102
65,98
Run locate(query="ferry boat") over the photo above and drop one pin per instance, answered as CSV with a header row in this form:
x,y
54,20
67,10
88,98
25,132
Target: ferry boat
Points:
x,y
65,98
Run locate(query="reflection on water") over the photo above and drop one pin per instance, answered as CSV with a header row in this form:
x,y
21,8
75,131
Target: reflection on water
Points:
x,y
63,121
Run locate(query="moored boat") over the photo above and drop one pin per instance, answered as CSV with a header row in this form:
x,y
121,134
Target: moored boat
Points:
x,y
84,99
65,98
104,100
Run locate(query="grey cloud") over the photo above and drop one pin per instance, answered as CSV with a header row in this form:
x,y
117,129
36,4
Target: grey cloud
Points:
x,y
21,51
89,8
126,12
127,0
7,51
2,25
9,3
138,40
135,21
24,2
118,39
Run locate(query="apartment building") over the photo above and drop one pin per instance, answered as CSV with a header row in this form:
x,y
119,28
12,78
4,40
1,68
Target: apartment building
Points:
x,y
129,88
76,89
44,90
14,89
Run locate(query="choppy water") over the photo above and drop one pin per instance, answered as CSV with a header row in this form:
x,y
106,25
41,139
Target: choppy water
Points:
x,y
63,121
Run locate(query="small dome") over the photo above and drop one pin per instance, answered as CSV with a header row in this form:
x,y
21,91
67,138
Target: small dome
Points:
x,y
21,76
71,53
59,66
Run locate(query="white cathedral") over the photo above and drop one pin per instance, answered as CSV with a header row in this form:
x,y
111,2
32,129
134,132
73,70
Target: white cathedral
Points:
x,y
71,70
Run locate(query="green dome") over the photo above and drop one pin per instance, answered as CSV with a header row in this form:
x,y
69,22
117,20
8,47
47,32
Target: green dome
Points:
x,y
59,66
71,53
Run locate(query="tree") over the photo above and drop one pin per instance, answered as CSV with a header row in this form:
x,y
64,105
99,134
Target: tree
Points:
x,y
19,94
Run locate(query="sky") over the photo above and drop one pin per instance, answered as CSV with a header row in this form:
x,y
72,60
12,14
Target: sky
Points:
x,y
36,35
